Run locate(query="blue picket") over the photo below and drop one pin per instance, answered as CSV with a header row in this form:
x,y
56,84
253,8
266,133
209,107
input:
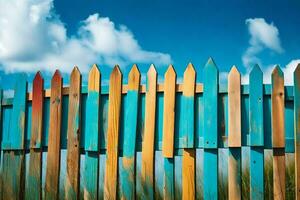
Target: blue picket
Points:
x,y
256,133
210,134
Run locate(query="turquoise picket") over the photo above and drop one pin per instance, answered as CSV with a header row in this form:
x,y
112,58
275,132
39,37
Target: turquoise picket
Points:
x,y
130,128
169,179
210,100
256,107
13,161
1,136
91,169
297,129
256,133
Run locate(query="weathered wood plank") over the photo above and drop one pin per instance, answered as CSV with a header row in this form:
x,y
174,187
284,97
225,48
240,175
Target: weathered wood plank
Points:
x,y
14,162
277,98
91,169
234,108
279,173
234,173
188,102
278,133
147,173
169,179
34,178
131,114
256,107
234,134
187,128
1,134
111,168
210,134
297,129
256,133
53,155
73,134
169,113
188,174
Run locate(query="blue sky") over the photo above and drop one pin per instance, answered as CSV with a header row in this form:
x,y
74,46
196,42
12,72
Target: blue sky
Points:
x,y
47,34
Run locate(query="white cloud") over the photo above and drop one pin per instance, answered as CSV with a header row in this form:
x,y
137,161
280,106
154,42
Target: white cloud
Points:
x,y
262,36
32,37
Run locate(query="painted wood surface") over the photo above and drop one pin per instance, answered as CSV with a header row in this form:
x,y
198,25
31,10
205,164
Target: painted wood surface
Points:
x,y
256,133
210,131
130,131
188,174
234,108
187,128
169,179
297,129
210,96
188,103
234,173
277,97
1,134
34,178
91,168
13,158
278,133
147,173
74,130
169,113
111,167
54,140
256,107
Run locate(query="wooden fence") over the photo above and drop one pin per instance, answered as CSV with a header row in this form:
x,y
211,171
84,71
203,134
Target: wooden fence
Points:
x,y
148,141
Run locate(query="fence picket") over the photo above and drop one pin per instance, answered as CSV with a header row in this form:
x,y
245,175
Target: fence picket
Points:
x,y
297,129
210,134
91,169
33,184
1,133
256,133
73,149
131,114
111,168
168,132
53,155
188,160
13,158
234,135
147,173
278,133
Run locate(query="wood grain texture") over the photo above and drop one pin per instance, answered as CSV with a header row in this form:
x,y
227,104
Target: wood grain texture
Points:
x,y
188,174
256,107
234,173
53,155
277,98
34,178
73,136
297,129
210,98
279,173
91,169
147,174
14,162
188,103
169,113
1,133
169,179
130,131
234,108
111,168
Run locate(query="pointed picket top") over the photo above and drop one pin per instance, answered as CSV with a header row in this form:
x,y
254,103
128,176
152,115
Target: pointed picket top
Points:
x,y
255,70
152,70
170,71
94,79
134,78
56,76
189,78
277,71
115,72
38,78
75,71
234,71
210,64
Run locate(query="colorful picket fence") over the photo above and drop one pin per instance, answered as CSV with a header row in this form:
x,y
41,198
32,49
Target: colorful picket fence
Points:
x,y
147,141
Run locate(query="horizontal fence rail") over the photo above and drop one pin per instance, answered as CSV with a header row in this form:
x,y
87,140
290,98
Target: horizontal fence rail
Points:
x,y
155,141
